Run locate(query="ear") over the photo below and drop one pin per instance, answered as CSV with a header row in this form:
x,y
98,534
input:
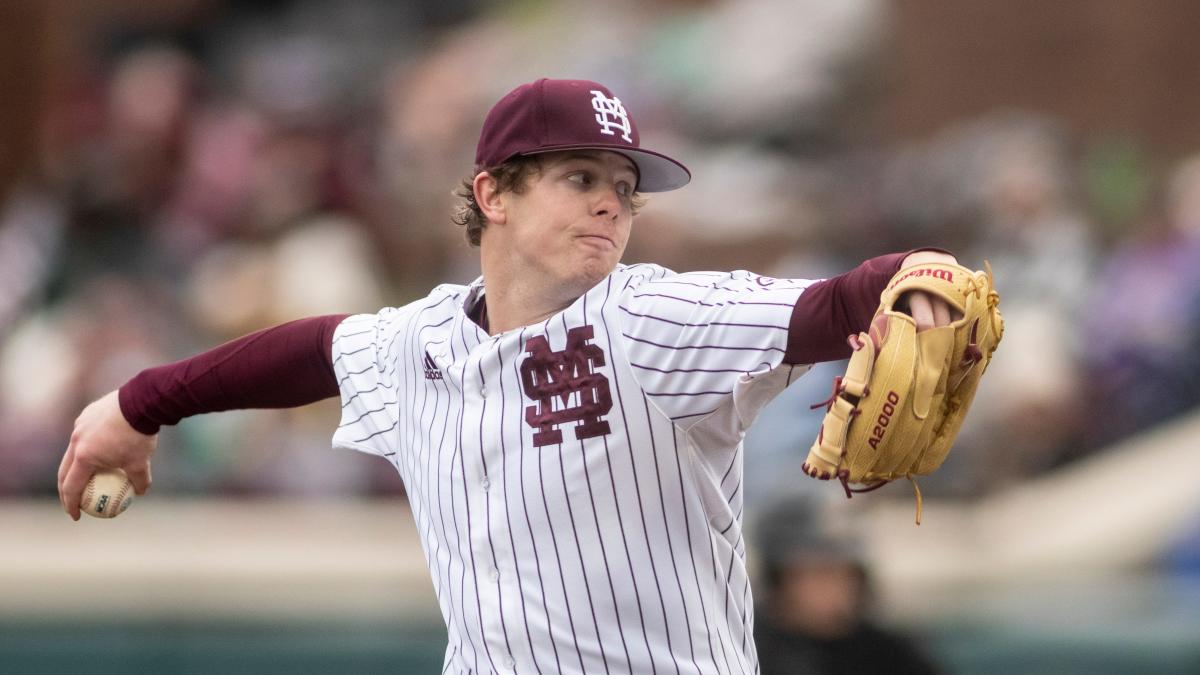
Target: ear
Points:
x,y
489,198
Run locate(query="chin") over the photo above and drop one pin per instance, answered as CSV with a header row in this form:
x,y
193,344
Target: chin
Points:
x,y
589,272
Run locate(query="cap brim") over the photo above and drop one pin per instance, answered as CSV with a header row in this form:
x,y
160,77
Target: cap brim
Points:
x,y
656,171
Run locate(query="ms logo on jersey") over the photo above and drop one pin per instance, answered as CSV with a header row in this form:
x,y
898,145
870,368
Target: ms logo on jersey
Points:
x,y
566,387
611,115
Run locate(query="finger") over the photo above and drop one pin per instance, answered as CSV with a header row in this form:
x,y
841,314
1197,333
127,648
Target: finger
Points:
x,y
921,310
63,466
68,454
140,477
77,478
941,312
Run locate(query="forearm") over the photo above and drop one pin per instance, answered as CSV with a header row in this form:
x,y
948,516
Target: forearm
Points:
x,y
281,367
830,310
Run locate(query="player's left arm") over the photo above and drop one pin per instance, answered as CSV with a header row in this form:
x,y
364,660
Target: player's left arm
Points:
x,y
929,311
692,337
833,308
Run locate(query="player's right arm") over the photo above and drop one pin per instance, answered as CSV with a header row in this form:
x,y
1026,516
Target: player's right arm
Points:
x,y
281,367
103,439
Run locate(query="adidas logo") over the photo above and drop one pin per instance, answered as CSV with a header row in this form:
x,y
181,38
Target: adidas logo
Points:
x,y
431,369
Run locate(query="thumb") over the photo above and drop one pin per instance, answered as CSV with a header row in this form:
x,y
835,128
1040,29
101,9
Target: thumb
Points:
x,y
139,476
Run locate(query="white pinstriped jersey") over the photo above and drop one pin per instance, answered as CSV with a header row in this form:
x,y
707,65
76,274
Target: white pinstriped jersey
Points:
x,y
577,482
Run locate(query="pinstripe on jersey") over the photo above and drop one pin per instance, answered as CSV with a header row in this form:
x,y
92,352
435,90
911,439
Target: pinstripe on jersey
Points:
x,y
617,552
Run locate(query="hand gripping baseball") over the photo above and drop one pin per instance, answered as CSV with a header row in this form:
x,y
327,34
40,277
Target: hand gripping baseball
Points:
x,y
102,439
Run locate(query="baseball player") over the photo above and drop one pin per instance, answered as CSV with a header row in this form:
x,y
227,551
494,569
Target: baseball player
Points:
x,y
568,428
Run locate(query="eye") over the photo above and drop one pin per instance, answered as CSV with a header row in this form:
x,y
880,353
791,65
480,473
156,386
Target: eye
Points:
x,y
580,178
625,189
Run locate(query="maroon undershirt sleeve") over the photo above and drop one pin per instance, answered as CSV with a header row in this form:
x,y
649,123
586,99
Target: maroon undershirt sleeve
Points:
x,y
830,310
281,367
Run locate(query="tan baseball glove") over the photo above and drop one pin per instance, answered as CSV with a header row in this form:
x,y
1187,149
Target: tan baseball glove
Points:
x,y
896,411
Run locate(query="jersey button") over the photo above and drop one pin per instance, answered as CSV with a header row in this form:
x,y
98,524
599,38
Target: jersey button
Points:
x,y
483,392
495,576
510,663
486,483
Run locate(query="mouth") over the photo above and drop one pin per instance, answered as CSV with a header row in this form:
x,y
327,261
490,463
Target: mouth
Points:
x,y
597,240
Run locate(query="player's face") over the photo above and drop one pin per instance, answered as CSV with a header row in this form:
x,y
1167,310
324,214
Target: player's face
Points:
x,y
572,221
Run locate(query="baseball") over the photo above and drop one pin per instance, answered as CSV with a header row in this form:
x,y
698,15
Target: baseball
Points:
x,y
107,494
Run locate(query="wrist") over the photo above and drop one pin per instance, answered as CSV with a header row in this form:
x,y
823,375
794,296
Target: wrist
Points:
x,y
928,256
130,401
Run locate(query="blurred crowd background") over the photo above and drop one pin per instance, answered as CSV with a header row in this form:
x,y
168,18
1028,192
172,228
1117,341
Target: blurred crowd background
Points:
x,y
179,173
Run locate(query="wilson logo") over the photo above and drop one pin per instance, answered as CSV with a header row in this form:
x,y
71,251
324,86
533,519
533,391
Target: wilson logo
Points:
x,y
566,387
944,275
884,419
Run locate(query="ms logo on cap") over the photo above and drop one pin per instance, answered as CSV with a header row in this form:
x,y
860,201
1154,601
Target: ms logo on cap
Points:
x,y
611,115
552,115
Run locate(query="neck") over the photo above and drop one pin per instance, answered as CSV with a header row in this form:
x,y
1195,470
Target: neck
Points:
x,y
520,299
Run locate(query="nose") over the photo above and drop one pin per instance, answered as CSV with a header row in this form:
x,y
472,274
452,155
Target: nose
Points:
x,y
607,202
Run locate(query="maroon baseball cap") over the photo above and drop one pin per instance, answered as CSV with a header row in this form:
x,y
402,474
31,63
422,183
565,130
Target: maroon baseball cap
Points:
x,y
552,115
